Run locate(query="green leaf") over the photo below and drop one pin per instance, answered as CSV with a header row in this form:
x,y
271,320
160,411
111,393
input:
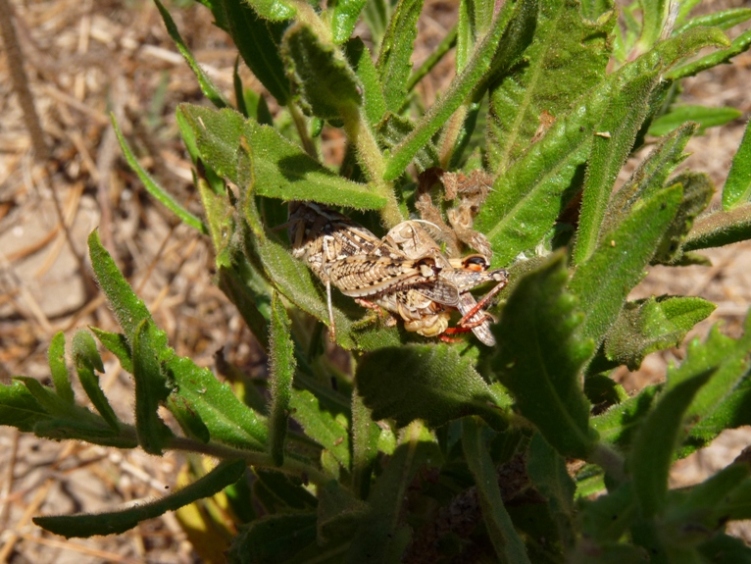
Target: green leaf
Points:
x,y
655,14
724,402
724,19
566,58
288,490
603,282
274,10
705,117
508,546
653,324
258,41
320,425
118,345
274,538
462,88
86,359
651,174
382,535
207,86
720,228
547,471
128,309
394,59
726,549
474,18
228,420
618,129
707,506
609,516
435,384
374,102
327,84
282,371
656,440
156,191
225,141
737,190
739,45
50,402
344,16
617,424
697,193
60,376
540,359
88,525
151,390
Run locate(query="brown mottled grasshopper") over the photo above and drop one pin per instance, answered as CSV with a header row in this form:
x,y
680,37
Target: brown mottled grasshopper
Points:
x,y
351,258
406,273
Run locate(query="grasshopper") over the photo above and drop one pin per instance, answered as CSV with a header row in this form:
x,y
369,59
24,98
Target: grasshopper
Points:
x,y
348,256
405,273
431,317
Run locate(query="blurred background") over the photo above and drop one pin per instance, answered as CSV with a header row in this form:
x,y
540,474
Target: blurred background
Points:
x,y
62,175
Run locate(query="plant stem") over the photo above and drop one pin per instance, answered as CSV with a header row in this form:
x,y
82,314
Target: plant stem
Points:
x,y
371,159
253,458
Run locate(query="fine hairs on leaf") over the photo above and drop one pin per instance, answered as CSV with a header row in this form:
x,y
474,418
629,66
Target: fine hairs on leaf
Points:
x,y
434,291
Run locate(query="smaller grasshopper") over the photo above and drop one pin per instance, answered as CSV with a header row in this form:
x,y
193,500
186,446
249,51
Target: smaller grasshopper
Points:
x,y
464,274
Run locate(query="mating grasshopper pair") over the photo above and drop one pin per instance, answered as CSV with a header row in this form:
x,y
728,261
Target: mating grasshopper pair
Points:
x,y
405,273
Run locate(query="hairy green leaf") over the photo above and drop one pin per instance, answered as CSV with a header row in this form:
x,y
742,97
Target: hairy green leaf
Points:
x,y
88,525
540,360
566,58
225,140
258,41
720,228
156,191
327,84
704,116
394,59
86,359
435,384
228,420
725,402
344,15
617,424
603,282
151,390
653,324
273,10
118,345
382,536
611,147
320,425
461,89
656,440
739,45
60,376
509,548
282,371
737,190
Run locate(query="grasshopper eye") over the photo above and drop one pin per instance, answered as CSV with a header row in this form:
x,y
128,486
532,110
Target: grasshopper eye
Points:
x,y
475,263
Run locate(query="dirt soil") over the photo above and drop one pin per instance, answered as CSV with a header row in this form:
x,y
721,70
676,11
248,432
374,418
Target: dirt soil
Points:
x,y
84,59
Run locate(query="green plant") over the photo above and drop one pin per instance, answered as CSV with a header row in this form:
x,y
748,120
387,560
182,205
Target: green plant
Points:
x,y
471,456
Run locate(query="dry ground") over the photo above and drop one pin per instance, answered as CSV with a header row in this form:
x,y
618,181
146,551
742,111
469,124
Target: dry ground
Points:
x,y
85,58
